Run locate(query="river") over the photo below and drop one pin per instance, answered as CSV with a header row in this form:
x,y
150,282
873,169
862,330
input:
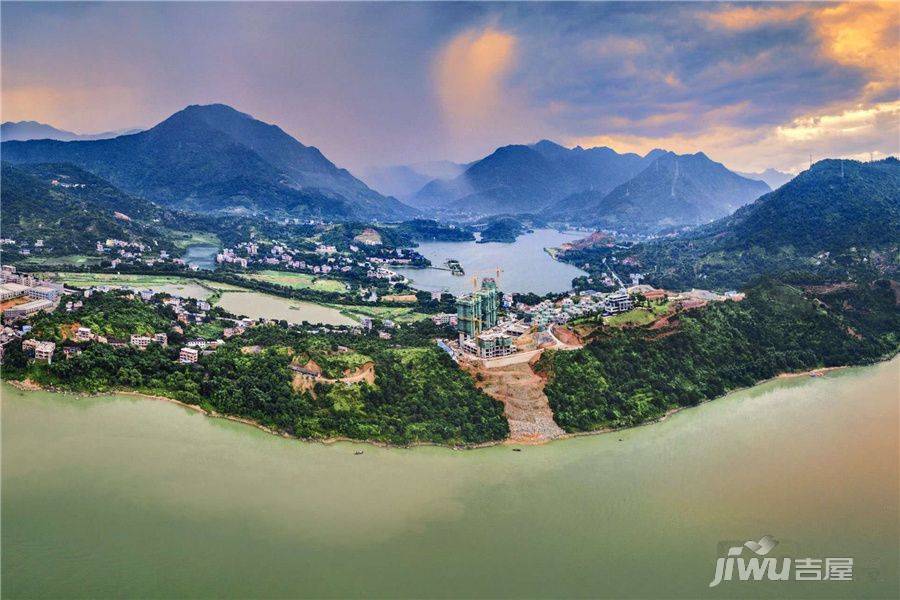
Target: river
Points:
x,y
526,267
119,496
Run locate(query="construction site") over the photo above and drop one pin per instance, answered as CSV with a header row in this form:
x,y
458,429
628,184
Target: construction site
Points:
x,y
499,354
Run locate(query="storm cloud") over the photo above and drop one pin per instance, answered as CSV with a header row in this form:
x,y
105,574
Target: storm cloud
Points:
x,y
753,85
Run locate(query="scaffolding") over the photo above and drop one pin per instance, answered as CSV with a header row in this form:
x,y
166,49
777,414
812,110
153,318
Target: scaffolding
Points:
x,y
479,310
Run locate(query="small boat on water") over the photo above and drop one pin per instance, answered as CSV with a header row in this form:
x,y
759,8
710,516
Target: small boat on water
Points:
x,y
516,449
815,374
358,452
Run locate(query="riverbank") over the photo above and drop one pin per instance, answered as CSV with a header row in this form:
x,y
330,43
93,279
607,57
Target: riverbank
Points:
x,y
31,386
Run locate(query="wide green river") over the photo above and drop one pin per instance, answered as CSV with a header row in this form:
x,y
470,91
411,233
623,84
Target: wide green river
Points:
x,y
126,497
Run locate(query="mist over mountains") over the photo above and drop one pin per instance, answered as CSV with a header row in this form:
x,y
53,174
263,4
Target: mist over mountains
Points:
x,y
32,130
403,181
773,177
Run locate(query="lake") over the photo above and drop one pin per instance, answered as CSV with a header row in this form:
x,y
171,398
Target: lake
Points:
x,y
258,305
202,256
526,266
123,497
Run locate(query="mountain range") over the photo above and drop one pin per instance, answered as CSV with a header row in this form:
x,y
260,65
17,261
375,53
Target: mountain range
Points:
x,y
595,187
32,130
526,178
214,158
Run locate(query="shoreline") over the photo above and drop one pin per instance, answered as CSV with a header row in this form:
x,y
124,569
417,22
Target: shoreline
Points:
x,y
30,386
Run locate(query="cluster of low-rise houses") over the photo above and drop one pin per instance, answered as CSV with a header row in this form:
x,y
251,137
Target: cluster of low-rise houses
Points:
x,y
187,312
324,259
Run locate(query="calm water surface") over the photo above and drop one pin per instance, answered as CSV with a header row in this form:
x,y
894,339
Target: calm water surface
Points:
x,y
116,496
520,261
257,305
202,256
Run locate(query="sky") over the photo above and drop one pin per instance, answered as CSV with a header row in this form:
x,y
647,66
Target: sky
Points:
x,y
372,84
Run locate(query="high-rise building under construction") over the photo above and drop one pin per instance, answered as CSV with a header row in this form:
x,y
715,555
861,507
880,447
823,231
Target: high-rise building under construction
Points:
x,y
478,311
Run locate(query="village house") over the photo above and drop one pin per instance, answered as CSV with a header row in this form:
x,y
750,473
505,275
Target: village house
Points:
x,y
141,341
44,351
188,355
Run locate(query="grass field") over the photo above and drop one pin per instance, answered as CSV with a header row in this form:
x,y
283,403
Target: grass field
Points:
x,y
638,316
400,315
72,259
183,239
207,331
135,281
299,281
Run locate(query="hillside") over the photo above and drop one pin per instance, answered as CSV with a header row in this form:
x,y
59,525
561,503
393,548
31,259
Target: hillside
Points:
x,y
672,191
837,219
520,178
627,376
214,158
70,210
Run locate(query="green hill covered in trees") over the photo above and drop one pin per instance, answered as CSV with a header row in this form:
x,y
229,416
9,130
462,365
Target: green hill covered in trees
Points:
x,y
840,219
624,377
71,210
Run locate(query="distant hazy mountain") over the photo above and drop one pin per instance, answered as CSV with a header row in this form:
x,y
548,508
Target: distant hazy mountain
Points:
x,y
214,158
773,178
671,191
32,130
403,181
837,216
519,178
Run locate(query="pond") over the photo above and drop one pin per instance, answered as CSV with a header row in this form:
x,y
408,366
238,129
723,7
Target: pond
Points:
x,y
202,256
258,305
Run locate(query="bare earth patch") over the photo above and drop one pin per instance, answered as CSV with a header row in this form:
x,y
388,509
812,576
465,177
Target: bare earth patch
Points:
x,y
526,407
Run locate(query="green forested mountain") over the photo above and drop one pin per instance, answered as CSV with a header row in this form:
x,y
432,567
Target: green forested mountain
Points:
x,y
838,217
501,229
214,158
672,191
71,210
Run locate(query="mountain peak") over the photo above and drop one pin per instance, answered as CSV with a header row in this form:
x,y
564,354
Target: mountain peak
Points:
x,y
214,109
657,153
